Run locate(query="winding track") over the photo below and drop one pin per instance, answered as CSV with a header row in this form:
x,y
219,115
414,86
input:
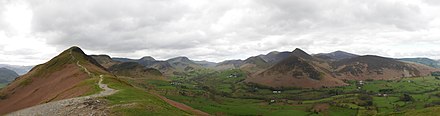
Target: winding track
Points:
x,y
62,107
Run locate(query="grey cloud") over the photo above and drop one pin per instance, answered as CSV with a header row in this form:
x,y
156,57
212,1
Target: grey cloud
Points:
x,y
176,27
116,25
229,29
337,13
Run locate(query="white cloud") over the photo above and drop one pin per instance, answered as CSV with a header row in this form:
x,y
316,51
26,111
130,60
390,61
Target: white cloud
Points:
x,y
17,44
219,29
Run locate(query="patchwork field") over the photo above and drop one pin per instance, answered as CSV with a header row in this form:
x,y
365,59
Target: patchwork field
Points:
x,y
224,93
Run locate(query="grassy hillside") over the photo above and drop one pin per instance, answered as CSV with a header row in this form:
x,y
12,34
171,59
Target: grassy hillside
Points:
x,y
70,74
73,74
133,101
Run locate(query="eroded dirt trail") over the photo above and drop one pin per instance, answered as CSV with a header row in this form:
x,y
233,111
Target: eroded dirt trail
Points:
x,y
87,105
182,106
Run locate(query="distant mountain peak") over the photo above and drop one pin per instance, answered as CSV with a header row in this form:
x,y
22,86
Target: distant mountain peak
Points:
x,y
300,53
180,59
147,58
76,49
273,52
78,54
206,63
336,55
339,51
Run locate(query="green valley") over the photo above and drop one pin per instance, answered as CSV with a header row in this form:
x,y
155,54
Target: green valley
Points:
x,y
224,93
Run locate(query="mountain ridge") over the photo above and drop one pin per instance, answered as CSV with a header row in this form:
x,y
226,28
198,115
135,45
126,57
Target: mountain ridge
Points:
x,y
424,61
60,78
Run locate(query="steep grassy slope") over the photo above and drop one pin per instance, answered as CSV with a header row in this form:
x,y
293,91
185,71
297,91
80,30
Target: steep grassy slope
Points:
x,y
299,70
295,72
132,101
378,68
306,71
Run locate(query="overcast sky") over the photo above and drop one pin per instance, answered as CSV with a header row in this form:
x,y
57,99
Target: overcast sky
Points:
x,y
33,31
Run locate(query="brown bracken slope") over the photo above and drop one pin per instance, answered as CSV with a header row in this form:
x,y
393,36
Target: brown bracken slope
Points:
x,y
62,77
295,72
299,70
378,68
302,70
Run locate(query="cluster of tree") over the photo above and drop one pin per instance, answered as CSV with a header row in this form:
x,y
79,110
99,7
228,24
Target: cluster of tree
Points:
x,y
335,92
437,74
367,100
406,98
433,103
386,90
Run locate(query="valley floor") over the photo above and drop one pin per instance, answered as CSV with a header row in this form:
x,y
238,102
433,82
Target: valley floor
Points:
x,y
217,94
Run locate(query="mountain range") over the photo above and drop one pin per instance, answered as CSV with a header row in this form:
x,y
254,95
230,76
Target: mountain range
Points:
x,y
20,70
73,74
424,61
72,83
295,69
64,76
7,76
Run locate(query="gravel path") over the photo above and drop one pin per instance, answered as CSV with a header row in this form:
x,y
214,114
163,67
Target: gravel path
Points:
x,y
88,105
